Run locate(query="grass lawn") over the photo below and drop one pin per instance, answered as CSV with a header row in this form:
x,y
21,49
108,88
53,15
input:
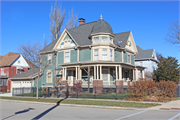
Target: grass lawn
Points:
x,y
86,102
102,96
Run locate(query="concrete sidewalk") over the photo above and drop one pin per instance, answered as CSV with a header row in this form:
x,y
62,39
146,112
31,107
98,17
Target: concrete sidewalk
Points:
x,y
6,94
172,105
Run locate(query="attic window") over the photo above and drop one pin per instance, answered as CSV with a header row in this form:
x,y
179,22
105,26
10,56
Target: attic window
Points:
x,y
104,39
96,39
19,61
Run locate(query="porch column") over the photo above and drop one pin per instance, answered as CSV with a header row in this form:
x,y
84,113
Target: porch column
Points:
x,y
65,73
120,72
116,74
80,73
100,72
136,74
94,72
97,73
62,73
143,76
76,73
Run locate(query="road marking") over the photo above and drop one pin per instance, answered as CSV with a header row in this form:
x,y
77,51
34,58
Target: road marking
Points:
x,y
174,116
130,115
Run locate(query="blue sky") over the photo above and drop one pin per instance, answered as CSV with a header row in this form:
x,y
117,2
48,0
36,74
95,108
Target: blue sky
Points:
x,y
24,21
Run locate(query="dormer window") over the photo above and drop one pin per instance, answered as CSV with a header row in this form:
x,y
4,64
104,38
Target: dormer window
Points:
x,y
67,43
96,39
110,40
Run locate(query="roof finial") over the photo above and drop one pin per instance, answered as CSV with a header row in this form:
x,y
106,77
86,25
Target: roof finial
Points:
x,y
101,16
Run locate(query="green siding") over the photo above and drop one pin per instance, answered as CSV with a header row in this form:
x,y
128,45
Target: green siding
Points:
x,y
73,56
125,57
132,59
118,56
85,55
60,57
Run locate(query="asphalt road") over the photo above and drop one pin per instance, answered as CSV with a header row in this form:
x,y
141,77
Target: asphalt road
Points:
x,y
32,111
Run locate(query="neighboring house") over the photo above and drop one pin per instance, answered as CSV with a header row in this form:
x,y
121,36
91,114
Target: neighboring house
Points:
x,y
109,57
12,64
24,80
148,59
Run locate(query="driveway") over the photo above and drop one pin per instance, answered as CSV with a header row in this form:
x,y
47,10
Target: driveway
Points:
x,y
6,94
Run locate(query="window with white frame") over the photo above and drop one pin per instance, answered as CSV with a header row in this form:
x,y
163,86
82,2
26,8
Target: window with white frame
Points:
x,y
49,59
111,54
96,39
68,43
67,57
96,54
65,43
129,59
104,54
104,38
2,71
110,40
141,64
49,77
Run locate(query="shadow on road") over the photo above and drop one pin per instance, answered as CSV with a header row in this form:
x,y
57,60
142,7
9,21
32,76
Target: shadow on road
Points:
x,y
45,112
19,112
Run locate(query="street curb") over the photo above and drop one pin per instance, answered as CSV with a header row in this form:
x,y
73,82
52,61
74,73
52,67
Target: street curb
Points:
x,y
75,105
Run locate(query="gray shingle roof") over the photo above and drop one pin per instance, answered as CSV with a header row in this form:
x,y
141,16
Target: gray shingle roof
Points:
x,y
27,74
81,35
144,54
121,37
101,26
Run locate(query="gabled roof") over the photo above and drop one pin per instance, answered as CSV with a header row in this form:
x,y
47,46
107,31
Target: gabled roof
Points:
x,y
31,65
121,37
7,59
50,46
144,54
27,74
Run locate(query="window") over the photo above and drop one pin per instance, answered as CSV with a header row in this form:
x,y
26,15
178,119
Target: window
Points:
x,y
104,54
2,71
110,39
96,39
50,59
65,43
111,54
96,54
68,43
104,39
129,61
18,61
49,77
141,64
67,57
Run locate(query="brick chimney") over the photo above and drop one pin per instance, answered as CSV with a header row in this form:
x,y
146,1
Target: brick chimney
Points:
x,y
81,21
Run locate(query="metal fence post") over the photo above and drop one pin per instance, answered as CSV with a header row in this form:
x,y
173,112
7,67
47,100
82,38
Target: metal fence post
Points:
x,y
76,92
57,92
95,93
22,91
48,91
116,92
67,94
33,91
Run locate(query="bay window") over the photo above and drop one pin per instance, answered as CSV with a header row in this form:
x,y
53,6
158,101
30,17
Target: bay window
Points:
x,y
104,54
111,54
96,56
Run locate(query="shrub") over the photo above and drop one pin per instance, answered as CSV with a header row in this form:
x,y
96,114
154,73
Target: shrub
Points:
x,y
149,90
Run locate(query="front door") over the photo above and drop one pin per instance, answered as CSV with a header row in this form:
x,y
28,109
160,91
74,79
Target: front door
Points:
x,y
105,77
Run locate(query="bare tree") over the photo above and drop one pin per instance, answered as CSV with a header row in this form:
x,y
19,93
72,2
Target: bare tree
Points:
x,y
158,55
173,33
30,50
57,17
72,21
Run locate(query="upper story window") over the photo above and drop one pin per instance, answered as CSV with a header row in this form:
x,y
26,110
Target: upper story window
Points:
x,y
111,55
129,60
2,71
96,54
49,59
49,77
96,39
67,43
67,57
141,64
104,54
110,40
104,39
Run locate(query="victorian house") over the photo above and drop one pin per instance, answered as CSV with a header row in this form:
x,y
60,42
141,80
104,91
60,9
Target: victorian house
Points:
x,y
92,47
